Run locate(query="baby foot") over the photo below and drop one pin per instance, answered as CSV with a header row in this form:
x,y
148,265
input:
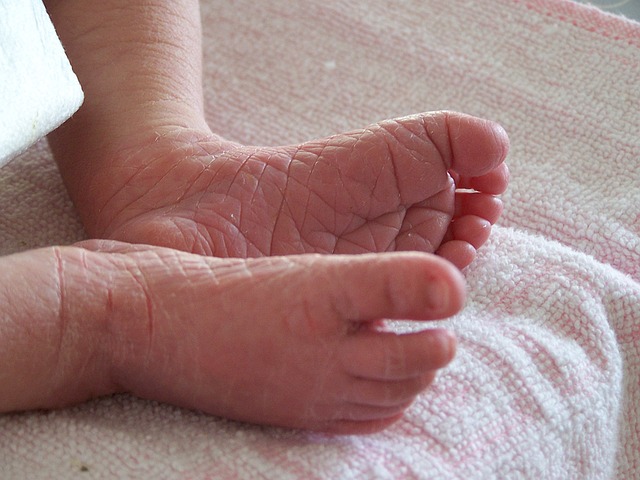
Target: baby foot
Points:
x,y
395,185
291,341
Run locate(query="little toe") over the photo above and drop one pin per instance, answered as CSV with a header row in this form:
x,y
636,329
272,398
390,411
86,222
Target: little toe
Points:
x,y
466,234
472,229
458,252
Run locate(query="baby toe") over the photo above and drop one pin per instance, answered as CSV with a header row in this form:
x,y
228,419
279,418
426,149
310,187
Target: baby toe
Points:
x,y
458,252
477,204
472,229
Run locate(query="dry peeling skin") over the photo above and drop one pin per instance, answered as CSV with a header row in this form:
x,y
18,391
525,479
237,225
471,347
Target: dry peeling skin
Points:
x,y
270,339
218,334
383,188
170,326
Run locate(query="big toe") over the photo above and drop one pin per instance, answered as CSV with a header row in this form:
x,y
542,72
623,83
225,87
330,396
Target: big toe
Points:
x,y
470,146
401,161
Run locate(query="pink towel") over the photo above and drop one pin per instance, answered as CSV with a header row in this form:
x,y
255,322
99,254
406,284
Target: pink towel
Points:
x,y
546,383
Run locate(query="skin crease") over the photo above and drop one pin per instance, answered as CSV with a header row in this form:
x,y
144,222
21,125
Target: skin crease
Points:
x,y
383,188
168,325
288,338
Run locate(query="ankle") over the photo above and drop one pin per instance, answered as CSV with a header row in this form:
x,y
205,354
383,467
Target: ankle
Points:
x,y
86,283
102,192
52,336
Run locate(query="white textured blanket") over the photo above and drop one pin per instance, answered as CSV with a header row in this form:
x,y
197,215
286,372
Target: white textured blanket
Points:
x,y
547,380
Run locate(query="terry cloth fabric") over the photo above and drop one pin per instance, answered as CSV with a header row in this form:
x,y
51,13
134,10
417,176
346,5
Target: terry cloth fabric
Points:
x,y
37,86
545,384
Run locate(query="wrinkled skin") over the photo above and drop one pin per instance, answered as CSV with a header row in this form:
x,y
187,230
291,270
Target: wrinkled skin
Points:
x,y
290,340
384,188
218,335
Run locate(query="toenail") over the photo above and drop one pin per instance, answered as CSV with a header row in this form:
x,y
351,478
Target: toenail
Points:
x,y
438,295
451,343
